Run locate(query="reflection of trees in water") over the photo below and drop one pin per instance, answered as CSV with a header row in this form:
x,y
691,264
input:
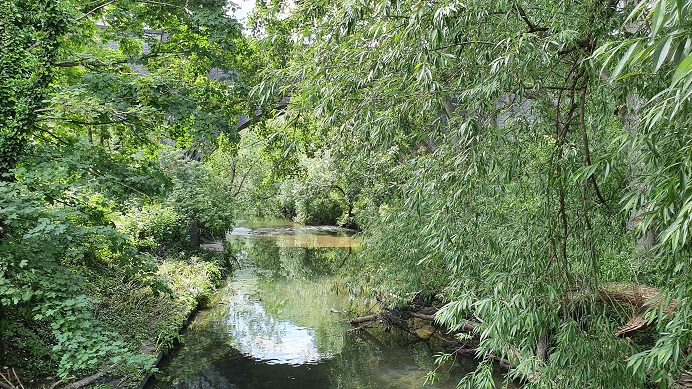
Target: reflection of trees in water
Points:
x,y
278,289
325,261
262,253
208,379
290,262
308,303
301,262
205,342
382,360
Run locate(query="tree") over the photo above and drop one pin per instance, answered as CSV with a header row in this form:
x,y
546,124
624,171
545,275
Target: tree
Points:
x,y
504,199
30,40
651,58
91,94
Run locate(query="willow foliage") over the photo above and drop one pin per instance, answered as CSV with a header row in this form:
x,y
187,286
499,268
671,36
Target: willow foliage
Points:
x,y
514,157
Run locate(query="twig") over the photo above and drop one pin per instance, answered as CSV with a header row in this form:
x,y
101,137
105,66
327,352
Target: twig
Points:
x,y
19,382
161,3
95,9
7,384
55,384
522,14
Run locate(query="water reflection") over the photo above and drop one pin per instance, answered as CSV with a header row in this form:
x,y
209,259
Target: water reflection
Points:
x,y
289,234
266,337
277,324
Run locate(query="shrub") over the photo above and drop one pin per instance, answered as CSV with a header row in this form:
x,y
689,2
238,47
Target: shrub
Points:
x,y
154,227
318,210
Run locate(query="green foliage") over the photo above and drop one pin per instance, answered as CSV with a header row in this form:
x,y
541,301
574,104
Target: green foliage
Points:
x,y
287,176
507,157
318,211
30,38
653,64
154,227
90,93
493,160
81,343
194,280
149,322
199,194
317,194
43,284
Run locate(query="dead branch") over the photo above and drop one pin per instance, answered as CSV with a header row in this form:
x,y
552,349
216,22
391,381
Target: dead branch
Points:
x,y
638,296
93,378
6,383
423,316
364,319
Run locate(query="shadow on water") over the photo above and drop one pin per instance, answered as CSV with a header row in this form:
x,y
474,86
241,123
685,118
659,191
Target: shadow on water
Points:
x,y
277,324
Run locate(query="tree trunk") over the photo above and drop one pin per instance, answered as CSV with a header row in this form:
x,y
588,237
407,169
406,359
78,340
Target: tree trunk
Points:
x,y
193,232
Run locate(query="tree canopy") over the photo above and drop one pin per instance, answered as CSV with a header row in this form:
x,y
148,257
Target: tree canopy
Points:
x,y
108,109
539,153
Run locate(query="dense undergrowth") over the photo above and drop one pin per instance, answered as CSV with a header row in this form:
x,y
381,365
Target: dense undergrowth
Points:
x,y
104,196
88,279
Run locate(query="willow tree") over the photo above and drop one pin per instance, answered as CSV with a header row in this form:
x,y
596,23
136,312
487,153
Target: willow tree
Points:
x,y
651,60
511,160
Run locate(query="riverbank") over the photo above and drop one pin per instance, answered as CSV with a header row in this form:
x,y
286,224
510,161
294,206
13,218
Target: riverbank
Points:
x,y
152,321
144,315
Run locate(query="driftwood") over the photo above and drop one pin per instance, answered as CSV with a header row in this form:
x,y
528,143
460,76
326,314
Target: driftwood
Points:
x,y
638,296
635,295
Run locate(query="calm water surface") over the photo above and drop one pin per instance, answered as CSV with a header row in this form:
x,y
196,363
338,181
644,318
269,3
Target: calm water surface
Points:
x,y
278,324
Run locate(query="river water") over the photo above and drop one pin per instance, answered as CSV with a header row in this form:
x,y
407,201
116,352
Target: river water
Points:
x,y
279,323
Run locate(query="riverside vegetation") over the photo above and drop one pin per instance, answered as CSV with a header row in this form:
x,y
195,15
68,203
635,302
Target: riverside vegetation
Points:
x,y
524,165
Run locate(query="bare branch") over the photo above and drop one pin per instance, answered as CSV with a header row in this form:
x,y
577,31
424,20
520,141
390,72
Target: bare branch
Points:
x,y
96,9
522,14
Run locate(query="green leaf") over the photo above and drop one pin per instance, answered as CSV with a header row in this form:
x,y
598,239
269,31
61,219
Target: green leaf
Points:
x,y
683,70
679,5
625,60
659,14
661,52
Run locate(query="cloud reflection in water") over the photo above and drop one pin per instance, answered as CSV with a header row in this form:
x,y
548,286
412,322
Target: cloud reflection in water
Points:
x,y
259,335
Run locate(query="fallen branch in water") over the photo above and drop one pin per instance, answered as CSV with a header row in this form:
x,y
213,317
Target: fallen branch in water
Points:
x,y
364,319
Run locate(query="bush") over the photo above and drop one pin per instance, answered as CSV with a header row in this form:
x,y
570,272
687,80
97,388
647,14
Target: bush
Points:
x,y
318,210
200,195
154,227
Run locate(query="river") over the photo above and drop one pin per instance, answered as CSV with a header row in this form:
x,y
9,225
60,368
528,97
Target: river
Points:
x,y
279,323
